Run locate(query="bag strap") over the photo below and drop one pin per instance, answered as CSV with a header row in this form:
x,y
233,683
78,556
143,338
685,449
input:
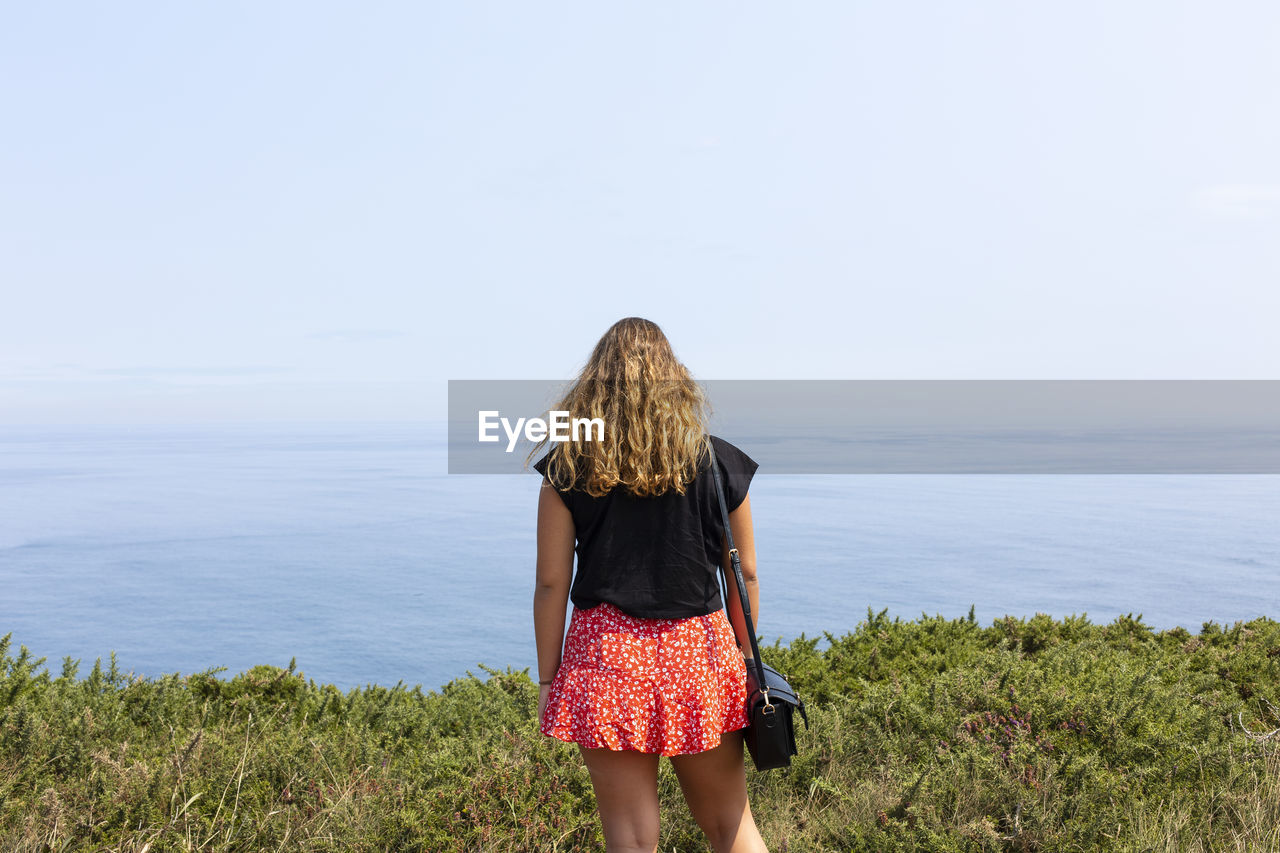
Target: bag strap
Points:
x,y
737,569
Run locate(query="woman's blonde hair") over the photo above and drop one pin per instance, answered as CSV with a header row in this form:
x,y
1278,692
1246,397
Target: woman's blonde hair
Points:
x,y
654,417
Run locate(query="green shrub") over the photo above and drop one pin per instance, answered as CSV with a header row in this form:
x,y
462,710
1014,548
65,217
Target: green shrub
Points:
x,y
931,734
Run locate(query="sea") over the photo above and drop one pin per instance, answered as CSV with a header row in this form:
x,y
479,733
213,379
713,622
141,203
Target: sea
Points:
x,y
348,549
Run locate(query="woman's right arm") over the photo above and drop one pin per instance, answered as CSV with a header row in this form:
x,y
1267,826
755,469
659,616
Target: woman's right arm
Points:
x,y
551,591
744,540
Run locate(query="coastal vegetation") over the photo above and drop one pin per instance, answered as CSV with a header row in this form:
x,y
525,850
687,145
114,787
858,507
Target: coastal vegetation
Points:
x,y
938,734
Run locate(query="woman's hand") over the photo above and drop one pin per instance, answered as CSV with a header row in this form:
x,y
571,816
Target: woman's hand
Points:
x,y
544,691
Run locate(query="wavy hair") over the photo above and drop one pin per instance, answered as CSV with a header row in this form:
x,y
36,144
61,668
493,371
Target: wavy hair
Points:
x,y
654,415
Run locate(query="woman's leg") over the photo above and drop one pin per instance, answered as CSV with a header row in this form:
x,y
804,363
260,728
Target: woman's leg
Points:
x,y
715,786
626,786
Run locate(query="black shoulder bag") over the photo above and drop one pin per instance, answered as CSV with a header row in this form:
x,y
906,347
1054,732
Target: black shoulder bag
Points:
x,y
771,702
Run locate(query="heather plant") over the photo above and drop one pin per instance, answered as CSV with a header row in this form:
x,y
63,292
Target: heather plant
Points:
x,y
928,734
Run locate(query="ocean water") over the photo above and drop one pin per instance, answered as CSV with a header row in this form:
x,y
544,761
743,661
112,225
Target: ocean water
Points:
x,y
349,548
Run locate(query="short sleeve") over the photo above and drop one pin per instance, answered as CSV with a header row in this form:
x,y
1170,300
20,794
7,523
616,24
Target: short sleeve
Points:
x,y
738,469
541,467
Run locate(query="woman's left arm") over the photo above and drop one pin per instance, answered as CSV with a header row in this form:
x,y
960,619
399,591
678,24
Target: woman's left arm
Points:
x,y
551,591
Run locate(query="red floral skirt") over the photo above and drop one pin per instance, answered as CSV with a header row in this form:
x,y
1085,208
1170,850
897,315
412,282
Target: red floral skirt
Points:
x,y
670,686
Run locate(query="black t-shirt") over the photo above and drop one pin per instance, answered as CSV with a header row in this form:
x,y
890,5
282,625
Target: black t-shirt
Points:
x,y
655,557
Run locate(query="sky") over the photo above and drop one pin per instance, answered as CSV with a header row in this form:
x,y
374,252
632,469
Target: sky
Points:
x,y
319,211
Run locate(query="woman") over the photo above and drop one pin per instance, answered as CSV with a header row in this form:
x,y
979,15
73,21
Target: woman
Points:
x,y
650,665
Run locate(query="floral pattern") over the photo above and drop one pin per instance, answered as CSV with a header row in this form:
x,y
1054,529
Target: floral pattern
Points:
x,y
670,686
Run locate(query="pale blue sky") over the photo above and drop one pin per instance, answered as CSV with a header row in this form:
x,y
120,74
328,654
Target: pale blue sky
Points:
x,y
313,210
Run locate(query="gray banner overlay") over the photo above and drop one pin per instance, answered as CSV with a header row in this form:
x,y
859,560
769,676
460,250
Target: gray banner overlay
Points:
x,y
932,426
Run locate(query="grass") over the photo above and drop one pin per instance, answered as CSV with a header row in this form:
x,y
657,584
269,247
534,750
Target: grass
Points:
x,y
931,734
